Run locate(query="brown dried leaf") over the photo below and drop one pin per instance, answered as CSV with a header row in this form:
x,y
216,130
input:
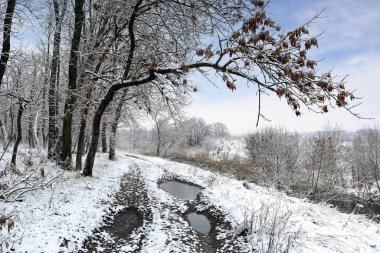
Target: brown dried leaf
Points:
x,y
11,225
314,42
231,85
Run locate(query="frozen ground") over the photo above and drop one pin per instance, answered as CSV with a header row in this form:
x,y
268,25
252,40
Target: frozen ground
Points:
x,y
59,217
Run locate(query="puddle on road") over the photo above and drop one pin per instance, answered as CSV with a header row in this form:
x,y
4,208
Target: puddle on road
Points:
x,y
181,190
124,222
199,222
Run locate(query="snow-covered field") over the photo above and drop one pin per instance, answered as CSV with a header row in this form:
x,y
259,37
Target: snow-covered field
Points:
x,y
59,217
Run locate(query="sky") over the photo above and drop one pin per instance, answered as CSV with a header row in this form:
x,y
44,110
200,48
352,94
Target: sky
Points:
x,y
350,44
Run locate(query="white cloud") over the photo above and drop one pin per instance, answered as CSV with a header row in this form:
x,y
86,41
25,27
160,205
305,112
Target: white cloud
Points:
x,y
348,24
351,45
239,111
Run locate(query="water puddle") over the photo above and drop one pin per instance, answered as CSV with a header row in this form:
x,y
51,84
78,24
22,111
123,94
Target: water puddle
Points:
x,y
199,222
181,190
124,222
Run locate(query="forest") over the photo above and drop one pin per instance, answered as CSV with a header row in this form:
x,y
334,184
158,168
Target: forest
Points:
x,y
80,79
97,57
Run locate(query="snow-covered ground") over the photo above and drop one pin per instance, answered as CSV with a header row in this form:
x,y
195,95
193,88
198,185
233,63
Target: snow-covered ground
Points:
x,y
59,217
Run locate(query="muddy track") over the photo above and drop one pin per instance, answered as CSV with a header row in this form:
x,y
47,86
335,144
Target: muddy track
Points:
x,y
127,218
142,211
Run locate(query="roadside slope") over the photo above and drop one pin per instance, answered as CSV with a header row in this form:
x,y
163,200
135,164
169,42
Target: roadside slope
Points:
x,y
60,217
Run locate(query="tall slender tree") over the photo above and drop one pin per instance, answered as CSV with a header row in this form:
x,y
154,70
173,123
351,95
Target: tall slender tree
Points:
x,y
7,29
59,13
72,85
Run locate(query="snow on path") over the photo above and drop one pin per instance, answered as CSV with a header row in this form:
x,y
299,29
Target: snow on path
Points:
x,y
66,213
58,219
324,229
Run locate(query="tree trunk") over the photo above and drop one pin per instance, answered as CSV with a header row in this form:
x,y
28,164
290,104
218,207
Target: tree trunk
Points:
x,y
3,134
7,28
89,164
80,147
19,133
375,169
30,132
112,152
43,128
82,130
319,171
34,120
82,144
158,142
36,130
54,76
87,171
104,137
44,93
73,72
10,133
119,107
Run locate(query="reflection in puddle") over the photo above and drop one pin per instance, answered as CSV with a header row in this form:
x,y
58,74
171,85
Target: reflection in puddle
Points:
x,y
181,190
199,222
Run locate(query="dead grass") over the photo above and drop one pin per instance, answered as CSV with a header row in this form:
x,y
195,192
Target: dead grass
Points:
x,y
241,170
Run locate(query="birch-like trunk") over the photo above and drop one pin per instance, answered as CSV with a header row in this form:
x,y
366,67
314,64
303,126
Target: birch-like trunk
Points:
x,y
35,131
43,128
44,94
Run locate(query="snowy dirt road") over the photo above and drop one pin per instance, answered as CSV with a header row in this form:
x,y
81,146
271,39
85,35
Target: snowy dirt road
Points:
x,y
165,226
88,215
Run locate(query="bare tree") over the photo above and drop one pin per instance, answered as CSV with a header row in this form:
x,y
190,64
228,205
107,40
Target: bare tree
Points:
x,y
219,130
3,134
146,49
163,134
115,122
366,157
7,29
5,51
99,41
60,8
277,152
165,126
195,131
72,78
125,100
19,132
323,156
163,43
